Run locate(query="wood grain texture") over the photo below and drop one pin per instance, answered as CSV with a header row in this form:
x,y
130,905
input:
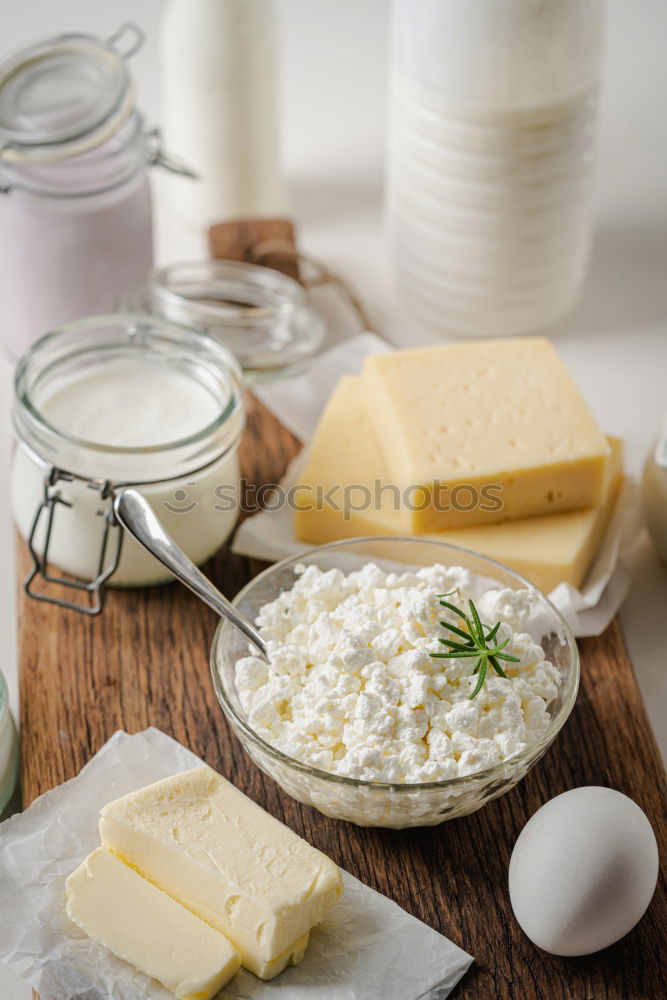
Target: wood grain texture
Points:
x,y
250,240
144,662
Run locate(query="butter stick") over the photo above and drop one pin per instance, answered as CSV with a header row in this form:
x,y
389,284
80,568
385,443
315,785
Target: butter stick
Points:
x,y
223,857
145,927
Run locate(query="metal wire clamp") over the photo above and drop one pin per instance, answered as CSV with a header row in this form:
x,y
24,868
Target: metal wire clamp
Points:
x,y
52,498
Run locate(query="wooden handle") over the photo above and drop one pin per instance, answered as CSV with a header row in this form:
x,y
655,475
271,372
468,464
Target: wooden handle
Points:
x,y
270,242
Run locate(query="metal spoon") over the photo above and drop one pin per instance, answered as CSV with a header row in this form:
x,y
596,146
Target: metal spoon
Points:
x,y
136,515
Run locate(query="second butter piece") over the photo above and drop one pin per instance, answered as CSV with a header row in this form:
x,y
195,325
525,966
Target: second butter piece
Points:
x,y
148,929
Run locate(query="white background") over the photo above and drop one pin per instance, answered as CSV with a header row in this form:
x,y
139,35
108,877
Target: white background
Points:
x,y
333,95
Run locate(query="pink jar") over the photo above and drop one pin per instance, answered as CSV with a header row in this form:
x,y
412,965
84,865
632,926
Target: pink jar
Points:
x,y
75,203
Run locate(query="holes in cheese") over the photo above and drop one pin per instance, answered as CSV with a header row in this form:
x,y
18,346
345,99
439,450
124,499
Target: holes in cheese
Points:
x,y
503,412
548,549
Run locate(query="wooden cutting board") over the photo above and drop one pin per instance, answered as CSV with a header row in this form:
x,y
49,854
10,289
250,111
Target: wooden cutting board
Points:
x,y
144,662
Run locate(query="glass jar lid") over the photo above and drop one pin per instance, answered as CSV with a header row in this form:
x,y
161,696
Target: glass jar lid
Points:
x,y
261,315
65,94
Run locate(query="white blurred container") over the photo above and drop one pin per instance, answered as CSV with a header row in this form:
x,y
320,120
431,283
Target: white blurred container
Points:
x,y
220,110
654,493
9,748
490,167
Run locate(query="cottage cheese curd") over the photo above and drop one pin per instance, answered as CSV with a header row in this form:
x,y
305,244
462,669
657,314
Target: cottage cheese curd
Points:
x,y
350,686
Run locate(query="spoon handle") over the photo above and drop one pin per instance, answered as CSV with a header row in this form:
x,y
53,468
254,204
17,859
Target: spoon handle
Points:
x,y
136,515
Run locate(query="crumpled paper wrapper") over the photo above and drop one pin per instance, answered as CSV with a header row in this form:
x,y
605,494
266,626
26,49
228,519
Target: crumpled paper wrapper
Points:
x,y
297,403
367,949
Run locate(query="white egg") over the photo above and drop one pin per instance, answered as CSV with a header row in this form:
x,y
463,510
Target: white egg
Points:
x,y
583,871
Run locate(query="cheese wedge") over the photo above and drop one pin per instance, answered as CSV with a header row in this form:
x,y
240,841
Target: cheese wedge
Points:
x,y
548,550
553,548
453,421
214,850
144,926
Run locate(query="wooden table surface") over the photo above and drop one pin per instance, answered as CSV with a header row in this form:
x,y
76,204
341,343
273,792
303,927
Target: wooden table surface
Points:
x,y
144,662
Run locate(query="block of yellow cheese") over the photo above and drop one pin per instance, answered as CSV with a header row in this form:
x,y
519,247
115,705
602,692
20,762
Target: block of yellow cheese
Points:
x,y
200,839
144,926
454,420
548,550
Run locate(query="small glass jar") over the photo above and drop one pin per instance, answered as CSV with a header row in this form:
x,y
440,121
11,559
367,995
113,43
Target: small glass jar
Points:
x,y
262,316
112,401
654,494
75,203
9,748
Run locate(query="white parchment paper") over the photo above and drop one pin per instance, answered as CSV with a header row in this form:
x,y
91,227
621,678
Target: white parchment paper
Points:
x,y
367,949
298,404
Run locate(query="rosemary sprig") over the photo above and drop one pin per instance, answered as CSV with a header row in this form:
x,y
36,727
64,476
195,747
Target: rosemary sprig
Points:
x,y
474,644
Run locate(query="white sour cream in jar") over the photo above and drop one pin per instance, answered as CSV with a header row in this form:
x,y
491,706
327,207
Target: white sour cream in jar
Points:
x,y
105,410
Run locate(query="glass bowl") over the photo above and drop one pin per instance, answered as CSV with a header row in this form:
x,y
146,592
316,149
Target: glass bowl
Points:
x,y
369,803
262,316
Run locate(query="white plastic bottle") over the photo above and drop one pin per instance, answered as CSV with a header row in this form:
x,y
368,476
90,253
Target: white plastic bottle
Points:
x,y
490,164
219,66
